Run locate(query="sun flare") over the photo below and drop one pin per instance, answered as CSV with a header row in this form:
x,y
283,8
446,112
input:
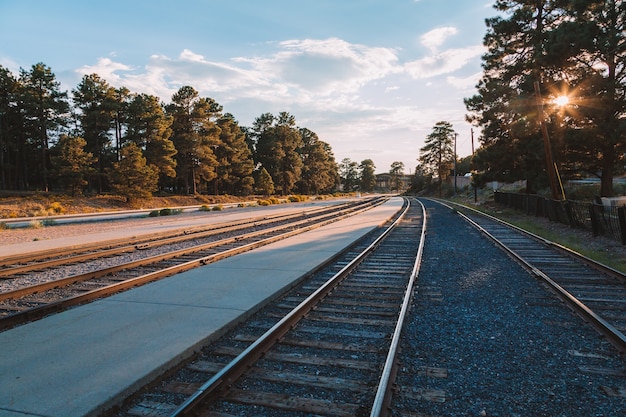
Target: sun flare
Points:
x,y
561,101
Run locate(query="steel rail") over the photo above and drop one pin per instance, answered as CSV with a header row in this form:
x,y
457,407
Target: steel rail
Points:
x,y
58,283
143,241
162,239
55,307
613,335
223,380
382,400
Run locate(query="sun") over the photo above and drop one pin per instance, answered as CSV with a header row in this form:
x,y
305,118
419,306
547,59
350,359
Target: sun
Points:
x,y
561,101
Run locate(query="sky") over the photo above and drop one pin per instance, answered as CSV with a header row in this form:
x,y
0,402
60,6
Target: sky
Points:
x,y
370,77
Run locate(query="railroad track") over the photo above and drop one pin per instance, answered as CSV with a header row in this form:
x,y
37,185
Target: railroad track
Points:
x,y
327,348
594,291
60,287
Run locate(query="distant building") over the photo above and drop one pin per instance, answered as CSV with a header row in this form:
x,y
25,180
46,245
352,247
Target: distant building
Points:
x,y
387,183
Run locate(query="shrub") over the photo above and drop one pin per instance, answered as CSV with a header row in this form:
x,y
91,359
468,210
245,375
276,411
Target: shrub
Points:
x,y
264,202
218,207
154,213
297,198
205,207
55,208
35,224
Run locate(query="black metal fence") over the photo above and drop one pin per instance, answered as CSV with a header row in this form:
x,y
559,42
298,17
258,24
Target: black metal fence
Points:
x,y
599,219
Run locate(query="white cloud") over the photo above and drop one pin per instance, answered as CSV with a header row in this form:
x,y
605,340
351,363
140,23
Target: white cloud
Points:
x,y
465,82
443,63
325,67
436,37
106,68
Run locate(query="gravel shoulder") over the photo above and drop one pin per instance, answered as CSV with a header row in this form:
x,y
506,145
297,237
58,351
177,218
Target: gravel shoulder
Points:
x,y
508,346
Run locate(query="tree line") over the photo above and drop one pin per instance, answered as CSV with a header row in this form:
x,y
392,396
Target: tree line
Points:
x,y
104,139
538,51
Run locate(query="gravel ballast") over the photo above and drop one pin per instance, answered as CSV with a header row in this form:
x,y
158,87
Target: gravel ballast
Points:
x,y
509,347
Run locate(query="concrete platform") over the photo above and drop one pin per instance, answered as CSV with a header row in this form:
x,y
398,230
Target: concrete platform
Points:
x,y
78,362
119,228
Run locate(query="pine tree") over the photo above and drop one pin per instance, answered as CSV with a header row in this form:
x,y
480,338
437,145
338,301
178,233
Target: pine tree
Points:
x,y
72,164
368,176
131,177
150,129
277,149
235,164
95,99
437,155
45,107
265,184
319,169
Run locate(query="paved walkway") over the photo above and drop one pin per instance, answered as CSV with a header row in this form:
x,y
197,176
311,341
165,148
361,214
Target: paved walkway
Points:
x,y
81,361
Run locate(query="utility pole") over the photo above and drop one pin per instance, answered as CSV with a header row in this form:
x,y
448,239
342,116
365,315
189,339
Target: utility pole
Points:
x,y
455,135
550,167
472,166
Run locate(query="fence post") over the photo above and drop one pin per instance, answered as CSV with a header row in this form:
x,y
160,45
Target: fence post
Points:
x,y
621,215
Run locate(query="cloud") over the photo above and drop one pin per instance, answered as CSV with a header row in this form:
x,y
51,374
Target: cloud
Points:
x,y
442,63
105,68
464,83
436,37
325,67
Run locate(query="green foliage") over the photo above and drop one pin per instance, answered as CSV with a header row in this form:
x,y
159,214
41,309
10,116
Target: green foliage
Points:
x,y
437,154
218,207
72,164
165,212
264,183
277,141
42,106
349,174
367,175
131,177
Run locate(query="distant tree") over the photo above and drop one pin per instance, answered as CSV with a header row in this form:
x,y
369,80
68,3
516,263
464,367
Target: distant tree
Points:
x,y
119,100
349,173
195,135
131,177
396,170
45,108
265,184
95,99
277,148
367,175
72,164
12,158
319,169
235,165
150,129
437,155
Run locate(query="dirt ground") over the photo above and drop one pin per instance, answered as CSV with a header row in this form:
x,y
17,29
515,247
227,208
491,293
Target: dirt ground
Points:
x,y
47,204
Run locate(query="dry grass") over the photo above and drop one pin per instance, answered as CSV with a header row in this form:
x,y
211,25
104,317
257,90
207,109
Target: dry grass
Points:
x,y
49,204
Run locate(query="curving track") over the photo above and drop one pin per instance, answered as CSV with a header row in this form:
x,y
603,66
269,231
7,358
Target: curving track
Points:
x,y
327,348
118,265
594,291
